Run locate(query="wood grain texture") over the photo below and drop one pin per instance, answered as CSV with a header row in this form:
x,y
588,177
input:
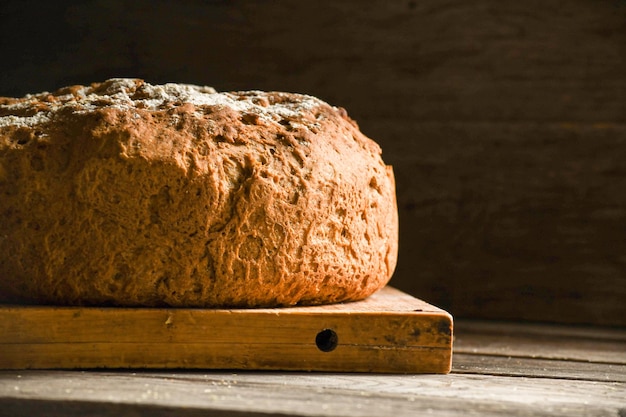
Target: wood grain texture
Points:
x,y
524,221
310,394
505,121
480,383
388,332
496,365
496,339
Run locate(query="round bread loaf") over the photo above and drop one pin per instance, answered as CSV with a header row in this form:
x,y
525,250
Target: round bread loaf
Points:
x,y
130,194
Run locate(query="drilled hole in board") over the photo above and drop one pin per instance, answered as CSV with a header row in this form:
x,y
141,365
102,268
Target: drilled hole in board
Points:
x,y
326,340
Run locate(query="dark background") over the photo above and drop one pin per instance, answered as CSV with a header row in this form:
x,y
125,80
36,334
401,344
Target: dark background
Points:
x,y
505,121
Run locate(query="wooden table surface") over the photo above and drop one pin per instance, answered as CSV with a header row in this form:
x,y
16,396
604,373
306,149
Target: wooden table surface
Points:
x,y
499,368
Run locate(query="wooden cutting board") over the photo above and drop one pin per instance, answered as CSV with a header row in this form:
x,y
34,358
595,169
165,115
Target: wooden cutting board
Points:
x,y
389,332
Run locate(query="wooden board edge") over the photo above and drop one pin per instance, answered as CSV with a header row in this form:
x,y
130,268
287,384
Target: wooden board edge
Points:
x,y
365,341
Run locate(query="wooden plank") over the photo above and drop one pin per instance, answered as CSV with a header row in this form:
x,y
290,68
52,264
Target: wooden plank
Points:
x,y
537,368
519,221
479,384
297,394
541,341
540,350
531,331
388,332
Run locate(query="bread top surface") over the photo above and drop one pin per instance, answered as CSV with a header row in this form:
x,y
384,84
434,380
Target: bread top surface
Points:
x,y
127,193
134,94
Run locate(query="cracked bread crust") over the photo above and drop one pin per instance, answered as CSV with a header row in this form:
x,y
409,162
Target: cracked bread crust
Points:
x,y
130,194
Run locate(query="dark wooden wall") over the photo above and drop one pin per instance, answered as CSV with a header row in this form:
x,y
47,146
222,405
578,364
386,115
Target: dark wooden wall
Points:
x,y
505,121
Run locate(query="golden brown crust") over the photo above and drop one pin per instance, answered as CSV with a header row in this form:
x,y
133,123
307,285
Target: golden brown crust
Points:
x,y
129,194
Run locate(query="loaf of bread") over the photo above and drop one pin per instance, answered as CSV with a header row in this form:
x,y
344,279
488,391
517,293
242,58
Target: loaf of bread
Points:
x,y
130,194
